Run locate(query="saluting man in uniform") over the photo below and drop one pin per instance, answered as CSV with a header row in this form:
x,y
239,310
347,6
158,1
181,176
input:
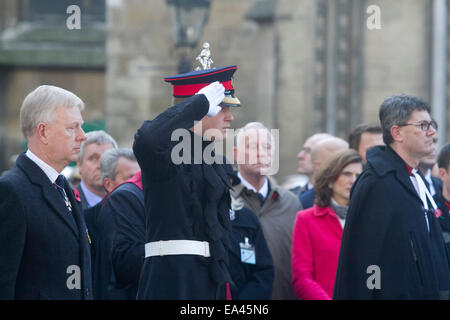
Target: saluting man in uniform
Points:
x,y
187,204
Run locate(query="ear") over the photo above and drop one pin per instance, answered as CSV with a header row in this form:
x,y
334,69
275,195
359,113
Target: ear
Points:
x,y
107,184
396,133
42,133
442,174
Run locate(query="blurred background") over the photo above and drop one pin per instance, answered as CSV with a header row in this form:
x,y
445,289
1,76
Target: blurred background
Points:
x,y
305,66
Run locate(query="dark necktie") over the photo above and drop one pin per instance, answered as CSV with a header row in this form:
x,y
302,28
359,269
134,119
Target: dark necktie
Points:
x,y
261,198
59,184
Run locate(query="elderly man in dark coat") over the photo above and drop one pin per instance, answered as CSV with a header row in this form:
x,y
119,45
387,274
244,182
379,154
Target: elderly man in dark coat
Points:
x,y
392,245
44,242
187,201
117,166
128,245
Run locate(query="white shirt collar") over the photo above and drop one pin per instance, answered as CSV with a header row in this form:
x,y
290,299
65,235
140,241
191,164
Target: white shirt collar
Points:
x,y
264,191
51,173
414,180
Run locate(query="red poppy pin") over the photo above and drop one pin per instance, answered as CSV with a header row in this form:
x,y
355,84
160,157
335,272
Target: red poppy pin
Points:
x,y
275,196
437,213
77,195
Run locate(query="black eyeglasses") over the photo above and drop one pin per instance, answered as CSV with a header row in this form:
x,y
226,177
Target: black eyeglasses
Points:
x,y
424,125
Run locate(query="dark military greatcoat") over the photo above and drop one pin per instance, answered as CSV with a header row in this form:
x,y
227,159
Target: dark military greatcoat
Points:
x,y
184,201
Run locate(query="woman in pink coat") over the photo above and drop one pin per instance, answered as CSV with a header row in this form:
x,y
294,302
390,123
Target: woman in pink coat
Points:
x,y
317,233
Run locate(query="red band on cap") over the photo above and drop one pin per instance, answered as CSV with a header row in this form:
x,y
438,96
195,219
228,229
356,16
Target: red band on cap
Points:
x,y
191,89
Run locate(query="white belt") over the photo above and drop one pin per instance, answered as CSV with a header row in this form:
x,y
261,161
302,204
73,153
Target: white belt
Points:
x,y
174,247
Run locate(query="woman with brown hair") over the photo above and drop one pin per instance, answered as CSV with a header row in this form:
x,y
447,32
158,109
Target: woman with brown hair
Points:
x,y
317,231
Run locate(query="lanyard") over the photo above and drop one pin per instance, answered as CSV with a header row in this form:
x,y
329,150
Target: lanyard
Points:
x,y
423,192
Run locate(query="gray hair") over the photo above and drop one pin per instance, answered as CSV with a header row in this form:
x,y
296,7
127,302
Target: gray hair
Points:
x,y
38,106
99,137
397,110
240,135
109,159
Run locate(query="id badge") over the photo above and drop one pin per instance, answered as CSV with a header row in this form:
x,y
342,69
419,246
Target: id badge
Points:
x,y
247,252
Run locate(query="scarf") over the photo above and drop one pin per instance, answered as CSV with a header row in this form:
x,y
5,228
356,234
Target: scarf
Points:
x,y
341,211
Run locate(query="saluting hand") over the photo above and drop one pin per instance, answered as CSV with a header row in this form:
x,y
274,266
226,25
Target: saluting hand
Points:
x,y
215,93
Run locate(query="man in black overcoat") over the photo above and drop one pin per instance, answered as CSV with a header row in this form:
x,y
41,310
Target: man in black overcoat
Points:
x,y
116,167
44,242
128,245
186,194
392,245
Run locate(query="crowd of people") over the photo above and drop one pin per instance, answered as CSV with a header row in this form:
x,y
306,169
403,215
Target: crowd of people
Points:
x,y
139,226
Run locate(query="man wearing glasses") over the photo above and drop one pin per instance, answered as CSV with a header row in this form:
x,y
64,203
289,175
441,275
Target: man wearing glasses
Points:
x,y
392,245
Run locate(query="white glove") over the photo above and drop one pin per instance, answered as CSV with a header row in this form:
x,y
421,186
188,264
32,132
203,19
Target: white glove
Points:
x,y
215,93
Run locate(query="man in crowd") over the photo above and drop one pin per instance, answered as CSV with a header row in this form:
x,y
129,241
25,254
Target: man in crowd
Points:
x,y
44,242
319,154
364,137
91,187
274,206
187,200
392,245
116,166
305,164
128,246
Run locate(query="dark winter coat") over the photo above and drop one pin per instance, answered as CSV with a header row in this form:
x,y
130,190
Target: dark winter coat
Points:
x,y
183,202
128,245
386,229
252,281
44,249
